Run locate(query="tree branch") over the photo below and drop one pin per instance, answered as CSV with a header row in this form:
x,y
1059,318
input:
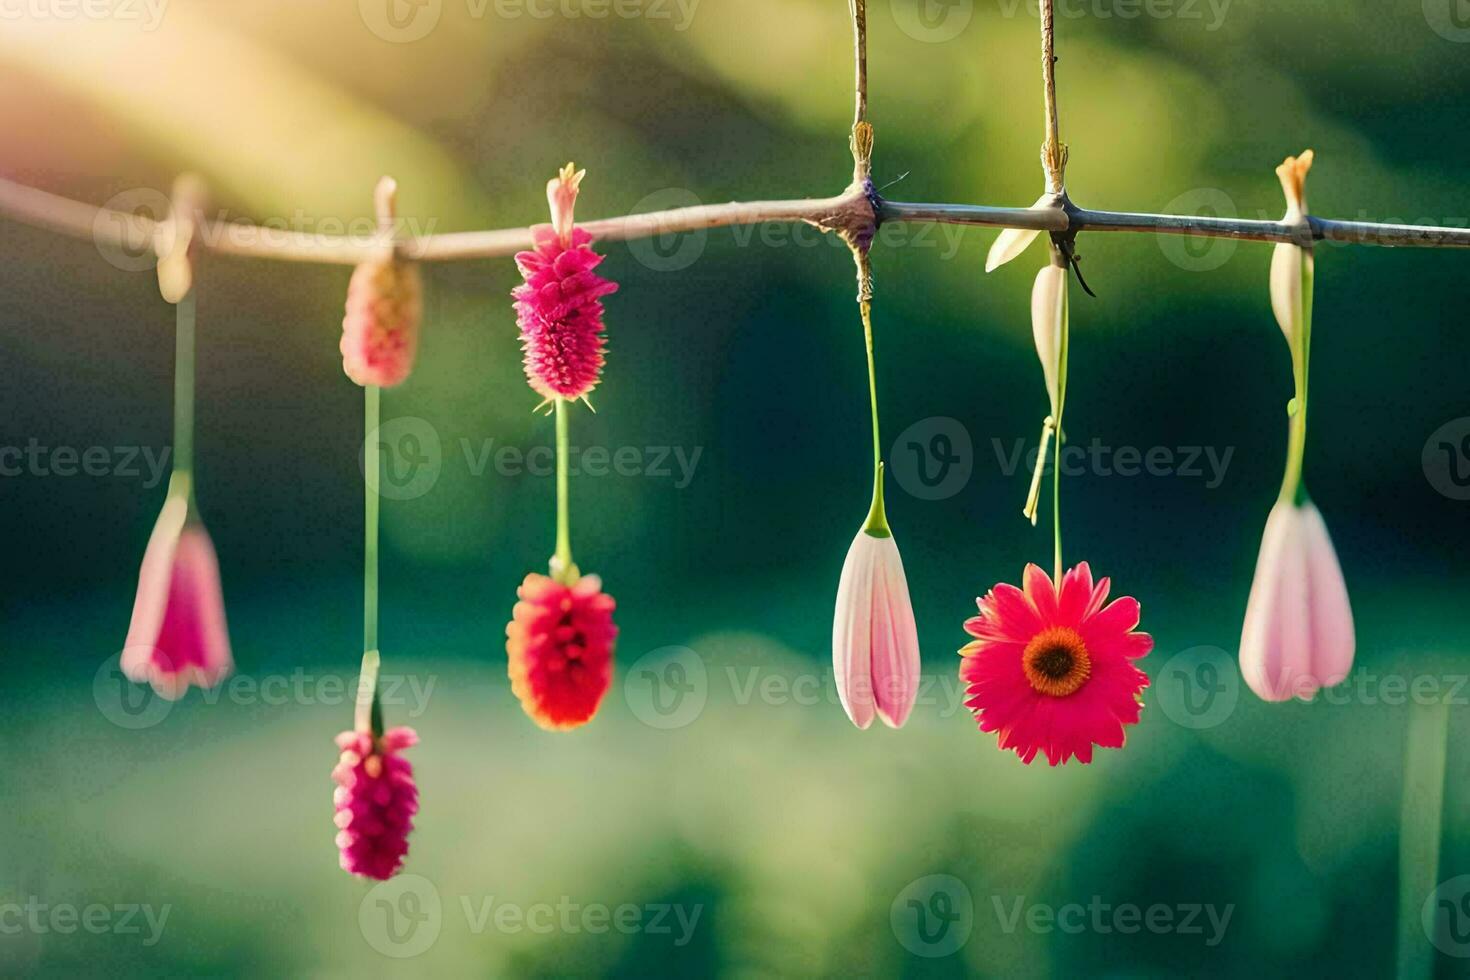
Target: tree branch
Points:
x,y
850,211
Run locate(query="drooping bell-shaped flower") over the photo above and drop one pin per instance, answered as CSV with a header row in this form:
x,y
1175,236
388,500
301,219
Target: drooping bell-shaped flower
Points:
x,y
559,306
1298,633
560,644
1051,667
177,637
375,801
875,643
380,330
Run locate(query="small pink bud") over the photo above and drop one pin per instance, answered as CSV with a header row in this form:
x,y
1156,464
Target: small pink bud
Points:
x,y
380,330
1298,632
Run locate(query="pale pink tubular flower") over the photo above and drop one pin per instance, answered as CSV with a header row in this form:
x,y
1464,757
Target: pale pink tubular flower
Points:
x,y
875,644
1298,632
178,637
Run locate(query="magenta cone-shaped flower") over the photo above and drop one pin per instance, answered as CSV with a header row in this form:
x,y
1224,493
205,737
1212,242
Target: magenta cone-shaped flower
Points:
x,y
1298,632
178,636
376,799
875,644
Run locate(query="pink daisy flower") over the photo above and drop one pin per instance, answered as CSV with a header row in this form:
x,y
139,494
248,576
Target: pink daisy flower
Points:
x,y
1051,670
376,799
559,307
177,636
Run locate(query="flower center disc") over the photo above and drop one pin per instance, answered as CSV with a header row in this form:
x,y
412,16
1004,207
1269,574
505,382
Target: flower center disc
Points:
x,y
1056,661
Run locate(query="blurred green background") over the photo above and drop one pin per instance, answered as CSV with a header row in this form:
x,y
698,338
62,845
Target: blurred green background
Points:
x,y
797,841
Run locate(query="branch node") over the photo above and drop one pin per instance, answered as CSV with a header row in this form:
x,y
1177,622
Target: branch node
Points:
x,y
176,241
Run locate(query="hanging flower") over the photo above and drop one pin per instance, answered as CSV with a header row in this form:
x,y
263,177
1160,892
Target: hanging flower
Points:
x,y
380,331
1051,670
375,800
177,636
875,644
559,307
1298,632
560,643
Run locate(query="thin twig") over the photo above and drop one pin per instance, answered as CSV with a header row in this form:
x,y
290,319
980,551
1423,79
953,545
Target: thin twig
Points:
x,y
1053,151
859,11
137,233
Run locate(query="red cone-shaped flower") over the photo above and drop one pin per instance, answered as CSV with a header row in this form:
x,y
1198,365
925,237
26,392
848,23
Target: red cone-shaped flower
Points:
x,y
376,799
560,643
559,306
177,636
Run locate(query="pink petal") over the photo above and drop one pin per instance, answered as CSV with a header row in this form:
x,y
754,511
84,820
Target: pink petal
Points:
x,y
852,634
1333,640
896,662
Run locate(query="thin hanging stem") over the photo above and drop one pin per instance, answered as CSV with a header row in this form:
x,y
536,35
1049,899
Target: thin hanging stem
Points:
x,y
372,395
1056,471
1293,488
562,560
184,315
877,524
369,714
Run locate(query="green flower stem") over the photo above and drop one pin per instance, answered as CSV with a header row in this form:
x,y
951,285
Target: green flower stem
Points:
x,y
877,523
369,713
1056,468
1293,489
562,560
182,481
